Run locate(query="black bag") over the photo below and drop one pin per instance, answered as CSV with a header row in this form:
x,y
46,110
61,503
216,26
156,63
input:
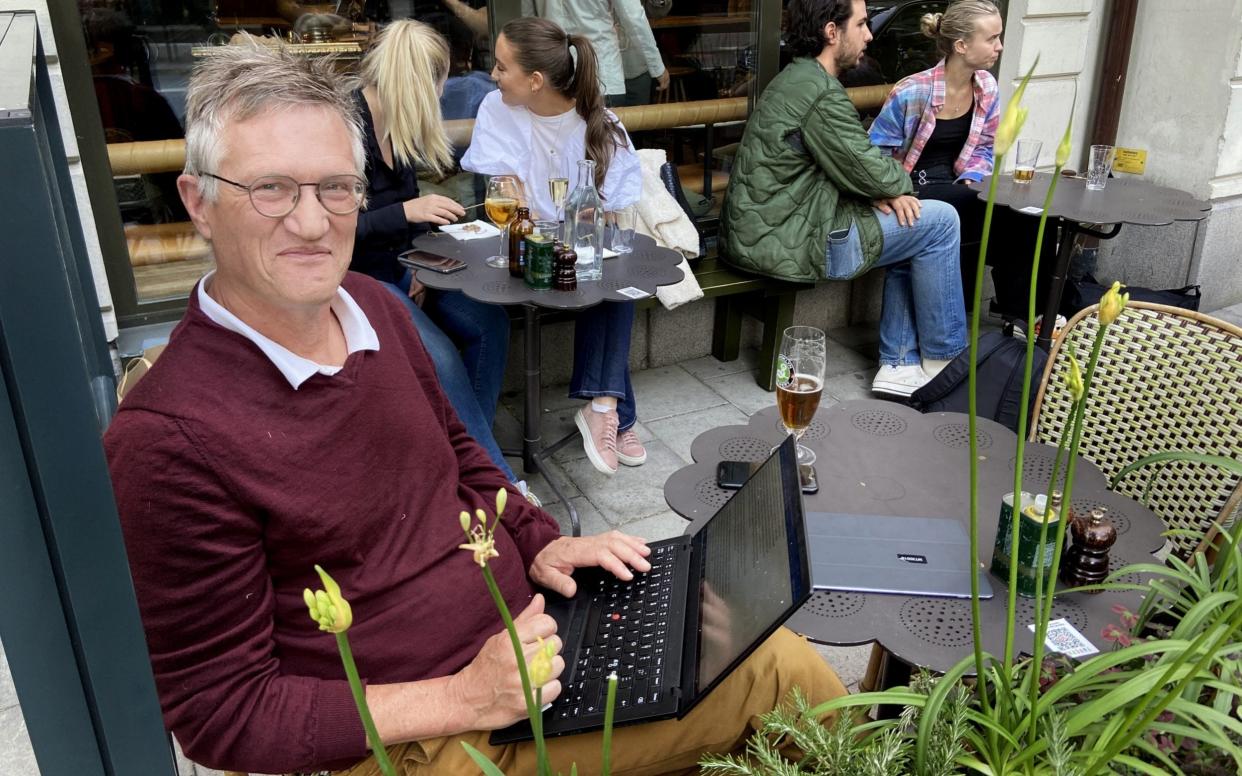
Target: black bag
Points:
x,y
999,393
1080,294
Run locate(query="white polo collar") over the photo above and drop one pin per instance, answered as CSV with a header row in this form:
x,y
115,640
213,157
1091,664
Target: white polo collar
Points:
x,y
359,335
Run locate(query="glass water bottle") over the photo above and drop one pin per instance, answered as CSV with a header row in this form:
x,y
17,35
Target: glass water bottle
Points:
x,y
584,224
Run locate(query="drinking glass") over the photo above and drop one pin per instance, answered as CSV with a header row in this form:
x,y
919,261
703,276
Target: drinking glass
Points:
x,y
1099,165
1025,158
621,228
504,196
800,381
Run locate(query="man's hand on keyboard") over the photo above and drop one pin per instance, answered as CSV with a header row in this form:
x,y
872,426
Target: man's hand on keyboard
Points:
x,y
613,551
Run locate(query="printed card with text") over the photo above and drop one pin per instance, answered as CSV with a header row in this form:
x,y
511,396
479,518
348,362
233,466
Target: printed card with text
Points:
x,y
1066,639
632,292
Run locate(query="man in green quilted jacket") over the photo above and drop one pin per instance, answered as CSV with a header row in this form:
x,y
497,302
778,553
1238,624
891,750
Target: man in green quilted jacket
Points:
x,y
811,199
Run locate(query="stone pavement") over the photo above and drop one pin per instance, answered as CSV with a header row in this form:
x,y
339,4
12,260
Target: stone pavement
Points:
x,y
675,404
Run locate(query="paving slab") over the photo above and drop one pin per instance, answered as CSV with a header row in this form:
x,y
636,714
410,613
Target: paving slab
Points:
x,y
680,430
709,367
669,391
743,392
634,491
850,663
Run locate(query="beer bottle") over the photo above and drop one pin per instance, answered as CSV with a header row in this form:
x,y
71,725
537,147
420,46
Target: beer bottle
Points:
x,y
522,225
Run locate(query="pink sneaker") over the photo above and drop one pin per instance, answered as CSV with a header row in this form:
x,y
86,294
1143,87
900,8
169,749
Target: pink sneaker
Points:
x,y
599,438
629,450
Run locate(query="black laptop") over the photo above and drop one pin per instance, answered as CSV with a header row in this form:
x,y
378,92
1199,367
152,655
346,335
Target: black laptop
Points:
x,y
673,633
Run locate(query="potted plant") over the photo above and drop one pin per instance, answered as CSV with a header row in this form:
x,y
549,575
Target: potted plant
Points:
x,y
1122,711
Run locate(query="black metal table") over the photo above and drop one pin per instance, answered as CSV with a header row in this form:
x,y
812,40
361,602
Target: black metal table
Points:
x,y
878,457
1121,201
646,268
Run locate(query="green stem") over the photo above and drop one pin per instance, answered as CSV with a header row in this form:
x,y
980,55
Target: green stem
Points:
x,y
606,767
533,710
972,387
1042,616
1023,409
1071,466
360,700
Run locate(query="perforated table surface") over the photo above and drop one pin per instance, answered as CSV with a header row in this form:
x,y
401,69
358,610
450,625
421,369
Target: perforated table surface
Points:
x,y
882,458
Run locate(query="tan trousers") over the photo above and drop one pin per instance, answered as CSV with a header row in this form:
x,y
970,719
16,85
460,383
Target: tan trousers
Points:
x,y
721,723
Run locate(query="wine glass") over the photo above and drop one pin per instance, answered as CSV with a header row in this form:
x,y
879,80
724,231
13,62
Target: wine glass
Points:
x,y
504,195
800,381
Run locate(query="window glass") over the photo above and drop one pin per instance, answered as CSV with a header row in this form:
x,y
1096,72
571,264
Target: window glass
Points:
x,y
141,56
675,53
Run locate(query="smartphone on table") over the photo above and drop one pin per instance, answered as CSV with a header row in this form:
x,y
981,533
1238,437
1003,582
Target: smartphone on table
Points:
x,y
416,259
732,475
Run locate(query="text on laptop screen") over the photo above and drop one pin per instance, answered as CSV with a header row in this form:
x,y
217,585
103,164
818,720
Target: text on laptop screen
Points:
x,y
748,573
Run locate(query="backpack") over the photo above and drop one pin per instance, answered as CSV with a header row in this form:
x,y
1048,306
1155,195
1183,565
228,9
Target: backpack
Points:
x,y
999,393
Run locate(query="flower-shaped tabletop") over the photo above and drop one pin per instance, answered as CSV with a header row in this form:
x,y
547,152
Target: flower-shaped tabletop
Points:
x,y
878,457
1121,201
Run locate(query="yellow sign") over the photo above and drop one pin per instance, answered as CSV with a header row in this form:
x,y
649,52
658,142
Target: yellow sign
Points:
x,y
1132,160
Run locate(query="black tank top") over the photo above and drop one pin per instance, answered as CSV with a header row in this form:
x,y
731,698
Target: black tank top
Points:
x,y
943,148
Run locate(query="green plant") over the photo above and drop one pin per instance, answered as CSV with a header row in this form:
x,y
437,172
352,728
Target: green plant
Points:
x,y
481,541
332,612
1036,716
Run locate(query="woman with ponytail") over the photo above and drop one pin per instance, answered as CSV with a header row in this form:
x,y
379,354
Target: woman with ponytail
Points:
x,y
939,123
547,115
399,102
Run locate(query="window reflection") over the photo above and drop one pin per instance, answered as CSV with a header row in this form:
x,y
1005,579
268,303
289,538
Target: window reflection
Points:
x,y
142,52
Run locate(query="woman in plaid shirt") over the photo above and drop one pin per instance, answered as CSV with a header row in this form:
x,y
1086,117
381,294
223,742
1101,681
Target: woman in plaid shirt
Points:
x,y
940,124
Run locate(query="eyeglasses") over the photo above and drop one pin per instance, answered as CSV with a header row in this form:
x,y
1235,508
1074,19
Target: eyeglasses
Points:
x,y
275,196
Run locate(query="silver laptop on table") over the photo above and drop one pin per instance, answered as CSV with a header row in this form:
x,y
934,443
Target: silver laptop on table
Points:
x,y
927,556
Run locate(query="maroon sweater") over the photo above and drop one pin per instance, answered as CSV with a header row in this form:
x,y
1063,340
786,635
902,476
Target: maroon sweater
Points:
x,y
231,485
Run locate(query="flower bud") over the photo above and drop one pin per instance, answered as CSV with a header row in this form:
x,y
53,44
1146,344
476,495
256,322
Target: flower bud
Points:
x,y
502,498
1112,303
541,664
1073,379
464,517
328,607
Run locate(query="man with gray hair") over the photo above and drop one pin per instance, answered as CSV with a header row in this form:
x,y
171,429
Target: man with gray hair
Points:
x,y
295,419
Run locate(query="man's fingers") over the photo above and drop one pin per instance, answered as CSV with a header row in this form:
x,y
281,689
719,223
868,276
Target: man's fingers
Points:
x,y
557,580
539,627
551,690
629,555
534,608
611,563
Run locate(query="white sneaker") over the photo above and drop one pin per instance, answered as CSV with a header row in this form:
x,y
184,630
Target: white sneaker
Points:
x,y
899,380
528,493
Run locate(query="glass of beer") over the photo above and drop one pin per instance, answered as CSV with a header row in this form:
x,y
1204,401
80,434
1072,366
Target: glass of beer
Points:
x,y
800,382
504,195
1024,160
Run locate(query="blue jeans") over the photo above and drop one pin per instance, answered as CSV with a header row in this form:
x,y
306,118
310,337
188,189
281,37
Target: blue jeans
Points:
x,y
473,394
923,313
602,357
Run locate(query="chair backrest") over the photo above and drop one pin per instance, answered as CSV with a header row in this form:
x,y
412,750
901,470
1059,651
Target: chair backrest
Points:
x,y
135,370
1167,379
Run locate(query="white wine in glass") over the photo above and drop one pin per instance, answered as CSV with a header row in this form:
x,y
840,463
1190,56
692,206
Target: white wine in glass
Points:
x,y
800,382
504,195
558,189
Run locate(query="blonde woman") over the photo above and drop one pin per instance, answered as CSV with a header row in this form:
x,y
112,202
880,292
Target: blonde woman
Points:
x,y
399,102
939,123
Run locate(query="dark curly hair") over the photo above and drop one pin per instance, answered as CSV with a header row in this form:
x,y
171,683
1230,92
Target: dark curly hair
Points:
x,y
807,19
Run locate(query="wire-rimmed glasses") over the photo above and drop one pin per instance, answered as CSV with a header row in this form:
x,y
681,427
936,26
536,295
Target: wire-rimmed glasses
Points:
x,y
276,196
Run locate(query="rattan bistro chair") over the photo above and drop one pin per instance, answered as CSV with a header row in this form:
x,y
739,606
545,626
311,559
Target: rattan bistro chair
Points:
x,y
1167,379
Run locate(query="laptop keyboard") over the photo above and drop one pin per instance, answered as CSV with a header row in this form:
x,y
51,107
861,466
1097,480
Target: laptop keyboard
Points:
x,y
627,632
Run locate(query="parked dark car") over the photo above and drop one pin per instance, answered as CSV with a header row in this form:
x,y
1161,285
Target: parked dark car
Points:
x,y
899,46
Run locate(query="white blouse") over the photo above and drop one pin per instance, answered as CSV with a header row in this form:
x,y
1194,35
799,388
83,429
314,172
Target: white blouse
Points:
x,y
513,141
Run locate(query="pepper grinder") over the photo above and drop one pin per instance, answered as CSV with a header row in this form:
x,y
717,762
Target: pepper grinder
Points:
x,y
564,271
1087,558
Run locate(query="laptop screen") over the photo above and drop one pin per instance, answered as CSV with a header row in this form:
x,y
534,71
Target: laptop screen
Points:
x,y
754,572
